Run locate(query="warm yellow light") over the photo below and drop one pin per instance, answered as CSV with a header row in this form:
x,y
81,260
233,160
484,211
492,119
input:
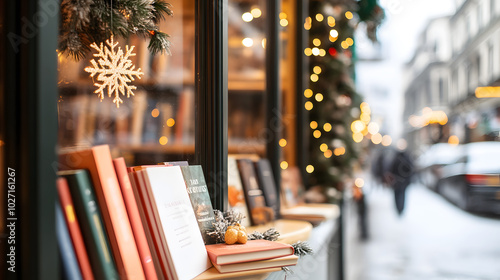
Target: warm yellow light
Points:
x,y
349,41
319,97
317,134
307,26
334,33
264,43
314,78
310,169
256,12
332,39
283,142
348,15
282,15
284,22
308,105
319,17
313,125
377,138
373,128
359,182
487,92
453,140
357,126
344,45
315,51
331,21
323,147
327,127
328,153
317,70
339,151
322,52
308,51
365,108
170,122
247,17
316,42
163,140
247,42
357,137
364,117
284,165
308,93
155,113
386,140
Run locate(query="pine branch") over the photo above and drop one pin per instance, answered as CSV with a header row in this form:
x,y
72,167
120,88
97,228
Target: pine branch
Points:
x,y
159,43
161,8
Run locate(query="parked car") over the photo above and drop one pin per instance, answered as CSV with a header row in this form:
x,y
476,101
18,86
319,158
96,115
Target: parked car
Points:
x,y
473,182
431,162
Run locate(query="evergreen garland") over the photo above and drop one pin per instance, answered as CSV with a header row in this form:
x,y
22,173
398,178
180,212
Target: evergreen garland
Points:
x,y
86,21
331,90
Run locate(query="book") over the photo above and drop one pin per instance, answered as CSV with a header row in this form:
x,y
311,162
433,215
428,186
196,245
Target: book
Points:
x,y
88,214
235,193
68,210
267,184
175,163
135,218
253,194
253,250
71,269
292,190
263,264
200,199
176,222
97,160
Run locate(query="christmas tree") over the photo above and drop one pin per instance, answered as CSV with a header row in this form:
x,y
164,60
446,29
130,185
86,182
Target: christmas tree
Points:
x,y
332,100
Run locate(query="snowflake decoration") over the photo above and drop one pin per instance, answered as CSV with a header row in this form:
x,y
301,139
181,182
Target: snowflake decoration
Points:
x,y
115,70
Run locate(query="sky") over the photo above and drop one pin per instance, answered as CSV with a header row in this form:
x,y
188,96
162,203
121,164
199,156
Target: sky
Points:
x,y
379,71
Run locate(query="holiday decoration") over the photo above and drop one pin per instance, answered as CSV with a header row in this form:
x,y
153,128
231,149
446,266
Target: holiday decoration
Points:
x,y
87,21
236,234
114,69
331,99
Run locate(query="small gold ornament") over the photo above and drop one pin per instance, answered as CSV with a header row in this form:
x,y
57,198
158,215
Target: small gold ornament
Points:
x,y
115,70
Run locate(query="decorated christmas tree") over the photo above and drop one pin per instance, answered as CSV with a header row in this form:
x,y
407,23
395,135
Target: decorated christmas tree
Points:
x,y
332,101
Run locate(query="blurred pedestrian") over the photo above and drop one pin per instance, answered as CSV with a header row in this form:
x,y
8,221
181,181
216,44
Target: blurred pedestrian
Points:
x,y
399,175
359,198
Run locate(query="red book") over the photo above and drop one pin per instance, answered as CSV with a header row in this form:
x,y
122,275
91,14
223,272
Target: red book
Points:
x,y
97,160
74,228
135,218
253,250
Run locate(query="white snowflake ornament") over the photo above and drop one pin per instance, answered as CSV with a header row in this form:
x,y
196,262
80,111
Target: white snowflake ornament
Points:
x,y
115,70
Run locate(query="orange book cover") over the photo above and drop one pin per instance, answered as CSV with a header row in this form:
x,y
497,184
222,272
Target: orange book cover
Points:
x,y
253,250
74,228
135,218
97,160
149,223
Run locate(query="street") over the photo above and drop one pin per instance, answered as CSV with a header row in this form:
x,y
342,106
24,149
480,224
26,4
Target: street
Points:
x,y
432,240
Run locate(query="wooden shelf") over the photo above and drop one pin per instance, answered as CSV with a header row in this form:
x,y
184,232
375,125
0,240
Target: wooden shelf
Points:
x,y
259,274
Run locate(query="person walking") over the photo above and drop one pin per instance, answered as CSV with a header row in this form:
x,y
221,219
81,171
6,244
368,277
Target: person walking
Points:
x,y
400,172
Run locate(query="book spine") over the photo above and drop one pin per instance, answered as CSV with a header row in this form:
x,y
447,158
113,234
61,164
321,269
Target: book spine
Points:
x,y
68,210
253,194
135,218
88,213
70,266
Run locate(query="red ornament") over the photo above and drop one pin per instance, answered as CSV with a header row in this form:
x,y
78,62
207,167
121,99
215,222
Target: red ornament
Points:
x,y
332,51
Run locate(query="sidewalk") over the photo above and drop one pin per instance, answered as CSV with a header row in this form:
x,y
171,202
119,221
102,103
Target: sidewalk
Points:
x,y
433,239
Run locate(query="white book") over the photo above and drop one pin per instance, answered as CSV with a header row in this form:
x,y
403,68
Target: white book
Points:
x,y
235,191
185,247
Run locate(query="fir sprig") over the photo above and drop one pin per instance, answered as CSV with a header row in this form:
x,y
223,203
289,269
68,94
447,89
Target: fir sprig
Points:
x,y
86,21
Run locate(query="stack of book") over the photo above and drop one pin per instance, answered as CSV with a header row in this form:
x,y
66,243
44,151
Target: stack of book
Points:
x,y
255,254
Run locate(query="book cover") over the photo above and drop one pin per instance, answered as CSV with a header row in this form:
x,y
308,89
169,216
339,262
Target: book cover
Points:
x,y
68,210
253,250
267,184
88,214
97,160
185,248
292,189
135,218
71,269
270,263
253,194
235,193
175,163
144,206
200,199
